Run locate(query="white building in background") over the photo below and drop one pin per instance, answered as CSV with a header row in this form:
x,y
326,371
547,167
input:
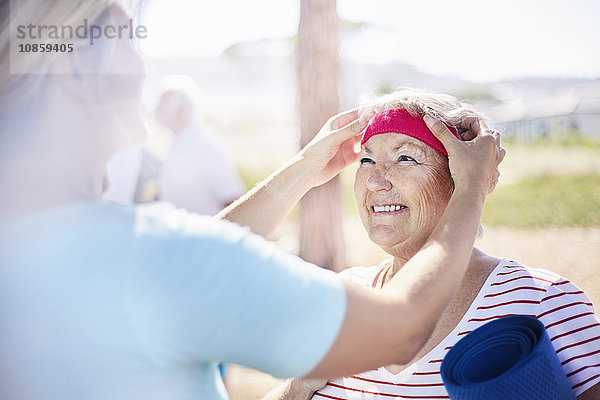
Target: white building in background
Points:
x,y
574,110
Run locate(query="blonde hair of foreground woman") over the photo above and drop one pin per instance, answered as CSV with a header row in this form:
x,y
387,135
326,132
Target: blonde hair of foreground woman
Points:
x,y
22,83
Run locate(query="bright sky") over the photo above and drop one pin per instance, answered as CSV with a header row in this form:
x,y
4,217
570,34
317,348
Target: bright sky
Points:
x,y
479,40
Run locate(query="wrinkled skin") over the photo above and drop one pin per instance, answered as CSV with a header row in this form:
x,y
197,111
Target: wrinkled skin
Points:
x,y
397,169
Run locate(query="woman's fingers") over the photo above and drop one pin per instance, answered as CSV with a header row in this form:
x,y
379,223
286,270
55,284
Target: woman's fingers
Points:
x,y
494,181
469,128
330,137
474,160
342,119
495,134
341,127
475,129
502,153
354,128
440,131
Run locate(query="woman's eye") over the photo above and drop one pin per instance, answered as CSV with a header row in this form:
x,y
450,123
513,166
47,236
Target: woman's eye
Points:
x,y
366,160
406,158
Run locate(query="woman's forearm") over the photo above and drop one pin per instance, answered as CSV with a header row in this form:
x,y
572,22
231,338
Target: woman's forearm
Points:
x,y
406,311
331,150
264,207
427,282
391,326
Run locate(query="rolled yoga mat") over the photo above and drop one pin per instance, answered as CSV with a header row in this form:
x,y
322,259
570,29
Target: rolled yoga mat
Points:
x,y
510,358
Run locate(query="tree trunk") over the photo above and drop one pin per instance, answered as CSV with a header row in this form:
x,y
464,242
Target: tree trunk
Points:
x,y
317,67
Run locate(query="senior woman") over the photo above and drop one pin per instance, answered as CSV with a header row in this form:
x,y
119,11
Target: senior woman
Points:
x,y
401,188
103,302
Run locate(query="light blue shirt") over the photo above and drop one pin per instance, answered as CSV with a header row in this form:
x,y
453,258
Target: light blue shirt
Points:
x,y
99,301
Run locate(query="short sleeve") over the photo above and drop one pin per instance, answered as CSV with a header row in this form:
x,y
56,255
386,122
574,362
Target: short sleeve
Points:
x,y
209,290
574,330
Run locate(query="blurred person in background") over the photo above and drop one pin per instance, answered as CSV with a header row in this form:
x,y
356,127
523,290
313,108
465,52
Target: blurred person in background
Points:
x,y
197,174
401,188
132,176
100,301
122,175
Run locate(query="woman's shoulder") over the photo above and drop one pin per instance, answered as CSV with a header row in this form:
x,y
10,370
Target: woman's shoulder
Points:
x,y
510,272
512,279
163,220
364,275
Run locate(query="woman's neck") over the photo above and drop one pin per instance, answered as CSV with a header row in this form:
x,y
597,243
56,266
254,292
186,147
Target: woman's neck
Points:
x,y
479,263
38,176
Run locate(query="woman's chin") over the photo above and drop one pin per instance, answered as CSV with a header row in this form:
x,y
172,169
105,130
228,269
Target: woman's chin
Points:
x,y
386,236
396,242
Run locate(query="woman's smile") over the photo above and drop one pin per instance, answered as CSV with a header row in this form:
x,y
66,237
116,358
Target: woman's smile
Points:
x,y
384,209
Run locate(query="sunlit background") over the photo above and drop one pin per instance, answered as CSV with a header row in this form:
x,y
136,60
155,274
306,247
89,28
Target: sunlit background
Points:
x,y
478,41
533,66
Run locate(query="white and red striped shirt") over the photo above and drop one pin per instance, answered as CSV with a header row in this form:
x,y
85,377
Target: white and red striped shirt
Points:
x,y
511,289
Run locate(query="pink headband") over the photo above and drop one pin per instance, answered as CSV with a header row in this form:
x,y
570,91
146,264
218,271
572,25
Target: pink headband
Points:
x,y
401,121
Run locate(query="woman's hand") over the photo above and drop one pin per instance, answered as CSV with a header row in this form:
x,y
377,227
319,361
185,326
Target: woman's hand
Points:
x,y
334,147
307,387
331,150
296,389
474,160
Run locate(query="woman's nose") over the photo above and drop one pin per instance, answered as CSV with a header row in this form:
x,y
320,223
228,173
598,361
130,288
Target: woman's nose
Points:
x,y
378,181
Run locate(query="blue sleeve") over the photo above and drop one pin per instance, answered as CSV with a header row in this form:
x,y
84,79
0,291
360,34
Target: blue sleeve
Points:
x,y
208,290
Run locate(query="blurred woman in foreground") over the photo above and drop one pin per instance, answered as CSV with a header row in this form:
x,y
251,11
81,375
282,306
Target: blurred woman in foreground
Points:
x,y
99,301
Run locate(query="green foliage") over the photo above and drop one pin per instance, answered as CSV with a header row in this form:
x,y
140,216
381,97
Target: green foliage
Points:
x,y
546,201
559,140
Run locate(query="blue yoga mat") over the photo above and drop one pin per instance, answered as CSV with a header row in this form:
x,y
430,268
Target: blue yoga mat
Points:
x,y
510,358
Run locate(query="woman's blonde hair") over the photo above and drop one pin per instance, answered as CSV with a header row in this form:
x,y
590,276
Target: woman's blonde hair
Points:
x,y
23,73
420,102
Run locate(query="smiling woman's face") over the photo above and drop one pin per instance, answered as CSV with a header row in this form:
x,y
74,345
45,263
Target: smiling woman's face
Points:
x,y
402,187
